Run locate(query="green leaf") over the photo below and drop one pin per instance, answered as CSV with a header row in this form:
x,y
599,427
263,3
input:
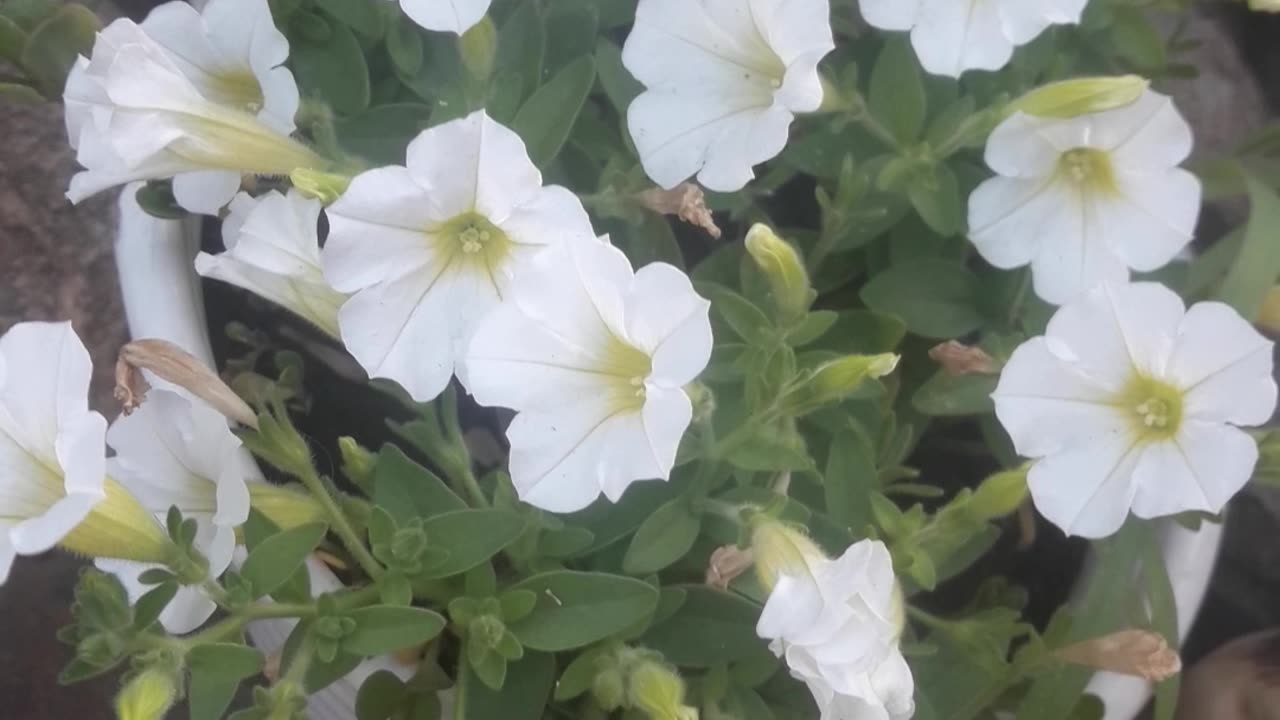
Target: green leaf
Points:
x,y
404,46
743,317
664,538
522,46
332,70
523,696
849,479
20,94
54,45
13,39
609,522
471,537
381,629
407,490
864,331
710,628
148,608
619,84
275,559
897,96
936,197
1257,266
547,117
216,672
359,15
381,134
935,298
380,695
578,608
949,395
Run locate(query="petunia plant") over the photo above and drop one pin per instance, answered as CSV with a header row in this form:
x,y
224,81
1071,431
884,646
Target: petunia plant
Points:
x,y
721,359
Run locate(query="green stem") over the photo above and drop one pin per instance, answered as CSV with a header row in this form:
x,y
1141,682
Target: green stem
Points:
x,y
863,117
741,434
339,522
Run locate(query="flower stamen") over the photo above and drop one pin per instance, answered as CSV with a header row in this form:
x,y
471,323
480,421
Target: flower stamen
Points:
x,y
1156,408
1089,169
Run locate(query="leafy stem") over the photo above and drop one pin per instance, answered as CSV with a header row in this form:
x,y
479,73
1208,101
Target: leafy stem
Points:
x,y
338,521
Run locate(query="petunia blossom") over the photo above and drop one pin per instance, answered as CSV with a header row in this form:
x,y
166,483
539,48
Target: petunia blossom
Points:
x,y
593,356
455,16
53,484
200,97
1083,200
1131,401
836,622
952,36
273,250
723,82
426,250
178,452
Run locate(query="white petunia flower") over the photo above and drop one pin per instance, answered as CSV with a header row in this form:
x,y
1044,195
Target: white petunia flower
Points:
x,y
725,79
1130,401
273,251
1083,200
199,97
178,452
53,484
428,249
952,36
455,16
593,356
836,623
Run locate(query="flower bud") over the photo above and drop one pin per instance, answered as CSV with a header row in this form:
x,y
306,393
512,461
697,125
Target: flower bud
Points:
x,y
836,380
148,696
957,359
726,564
323,186
284,507
686,201
779,548
609,689
357,462
1080,96
478,47
1140,653
172,363
657,691
781,264
120,527
1000,495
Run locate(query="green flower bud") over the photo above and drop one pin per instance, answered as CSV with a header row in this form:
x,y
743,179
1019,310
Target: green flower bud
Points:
x,y
1080,96
120,527
148,696
478,47
657,691
323,186
779,548
836,380
1000,495
781,264
284,507
609,689
357,462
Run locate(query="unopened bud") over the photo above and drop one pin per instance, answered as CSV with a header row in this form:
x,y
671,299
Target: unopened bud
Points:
x,y
782,266
657,691
1081,96
686,201
357,462
323,186
836,380
609,689
780,549
478,47
1000,495
120,527
702,399
726,564
958,359
172,363
148,696
284,507
1140,653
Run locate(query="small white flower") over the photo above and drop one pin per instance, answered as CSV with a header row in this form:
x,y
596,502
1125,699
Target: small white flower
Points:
x,y
1083,200
836,623
174,451
725,80
593,356
199,97
428,249
455,16
1130,401
952,36
273,250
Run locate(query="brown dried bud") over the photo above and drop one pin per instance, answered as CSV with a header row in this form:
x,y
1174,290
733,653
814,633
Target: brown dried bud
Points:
x,y
959,359
685,201
1140,653
172,363
727,563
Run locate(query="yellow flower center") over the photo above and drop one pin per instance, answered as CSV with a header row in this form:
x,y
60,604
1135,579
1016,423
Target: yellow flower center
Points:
x,y
630,367
1088,169
239,89
1155,407
474,242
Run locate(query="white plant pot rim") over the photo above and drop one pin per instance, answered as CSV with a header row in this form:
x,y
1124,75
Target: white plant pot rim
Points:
x,y
162,299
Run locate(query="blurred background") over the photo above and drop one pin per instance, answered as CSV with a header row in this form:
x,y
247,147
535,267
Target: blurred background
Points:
x,y
57,264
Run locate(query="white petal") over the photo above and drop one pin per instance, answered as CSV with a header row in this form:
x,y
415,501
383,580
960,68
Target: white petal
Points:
x,y
794,29
473,164
666,416
1148,134
455,16
890,14
1154,218
1047,404
1008,217
793,607
951,37
81,450
278,233
40,533
280,100
1074,253
606,275
315,302
7,553
552,215
1224,365
1201,469
556,455
205,192
750,140
667,319
1087,490
674,133
48,372
377,230
1114,331
1031,147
